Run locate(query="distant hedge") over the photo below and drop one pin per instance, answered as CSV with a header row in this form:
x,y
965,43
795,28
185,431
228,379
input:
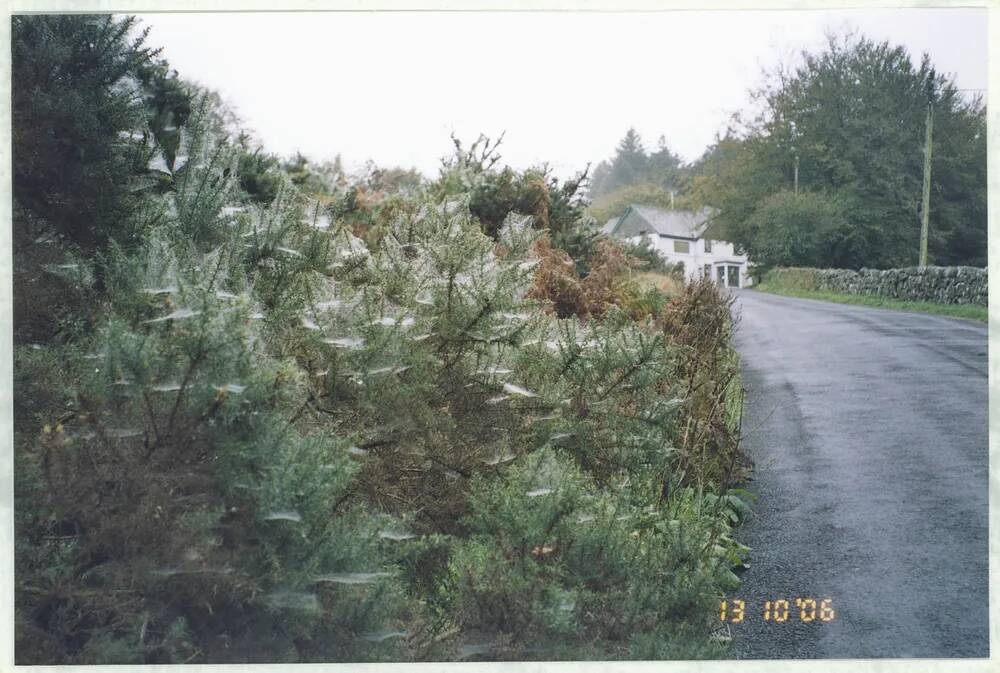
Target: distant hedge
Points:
x,y
942,284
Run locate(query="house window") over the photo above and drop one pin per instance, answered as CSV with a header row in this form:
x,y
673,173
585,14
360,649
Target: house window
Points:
x,y
721,272
734,276
708,245
708,271
682,246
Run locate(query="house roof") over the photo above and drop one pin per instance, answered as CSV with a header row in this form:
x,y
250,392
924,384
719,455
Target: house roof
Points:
x,y
674,223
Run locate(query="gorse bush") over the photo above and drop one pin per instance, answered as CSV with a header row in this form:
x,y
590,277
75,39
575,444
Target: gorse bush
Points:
x,y
494,193
187,469
75,81
294,426
569,570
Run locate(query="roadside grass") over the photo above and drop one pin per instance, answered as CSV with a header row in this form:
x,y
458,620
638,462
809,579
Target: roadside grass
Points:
x,y
966,311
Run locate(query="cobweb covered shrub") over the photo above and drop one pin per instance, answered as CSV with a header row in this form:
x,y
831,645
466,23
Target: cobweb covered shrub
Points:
x,y
447,368
557,568
431,353
286,428
200,501
409,348
298,448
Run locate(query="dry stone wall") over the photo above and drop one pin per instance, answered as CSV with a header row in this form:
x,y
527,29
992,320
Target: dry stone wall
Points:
x,y
942,284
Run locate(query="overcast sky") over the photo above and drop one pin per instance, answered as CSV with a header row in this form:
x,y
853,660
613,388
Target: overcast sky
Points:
x,y
564,86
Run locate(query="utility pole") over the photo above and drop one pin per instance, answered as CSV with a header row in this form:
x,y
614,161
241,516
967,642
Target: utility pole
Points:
x,y
793,142
925,214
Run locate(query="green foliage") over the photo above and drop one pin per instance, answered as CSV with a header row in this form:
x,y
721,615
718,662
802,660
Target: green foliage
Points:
x,y
500,193
632,166
579,241
644,250
168,104
312,178
641,298
494,193
186,467
259,173
790,228
571,571
76,80
628,166
791,278
261,437
708,370
396,180
854,115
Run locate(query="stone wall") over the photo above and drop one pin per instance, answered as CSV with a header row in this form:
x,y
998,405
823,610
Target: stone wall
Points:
x,y
941,284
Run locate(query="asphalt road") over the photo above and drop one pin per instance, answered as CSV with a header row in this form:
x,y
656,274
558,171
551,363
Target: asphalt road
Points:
x,y
869,432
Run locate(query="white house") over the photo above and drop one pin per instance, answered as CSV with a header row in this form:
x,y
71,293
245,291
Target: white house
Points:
x,y
678,235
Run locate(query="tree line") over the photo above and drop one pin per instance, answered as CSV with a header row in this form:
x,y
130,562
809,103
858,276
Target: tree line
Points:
x,y
849,122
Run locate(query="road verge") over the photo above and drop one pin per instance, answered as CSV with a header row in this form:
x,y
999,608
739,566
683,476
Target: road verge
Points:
x,y
965,311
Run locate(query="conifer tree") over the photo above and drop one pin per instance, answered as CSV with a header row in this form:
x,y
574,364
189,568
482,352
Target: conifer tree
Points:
x,y
76,78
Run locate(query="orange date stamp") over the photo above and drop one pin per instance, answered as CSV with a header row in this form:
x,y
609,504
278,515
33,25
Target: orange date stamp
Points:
x,y
734,610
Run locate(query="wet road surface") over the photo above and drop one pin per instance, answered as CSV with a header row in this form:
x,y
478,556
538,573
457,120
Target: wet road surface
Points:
x,y
869,432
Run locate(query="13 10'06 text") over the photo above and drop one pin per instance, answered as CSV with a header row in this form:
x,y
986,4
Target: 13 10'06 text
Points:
x,y
735,611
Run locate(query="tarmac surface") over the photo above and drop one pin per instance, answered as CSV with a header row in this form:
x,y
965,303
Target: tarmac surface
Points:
x,y
868,429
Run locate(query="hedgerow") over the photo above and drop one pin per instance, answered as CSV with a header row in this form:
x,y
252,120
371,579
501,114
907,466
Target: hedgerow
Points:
x,y
288,428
